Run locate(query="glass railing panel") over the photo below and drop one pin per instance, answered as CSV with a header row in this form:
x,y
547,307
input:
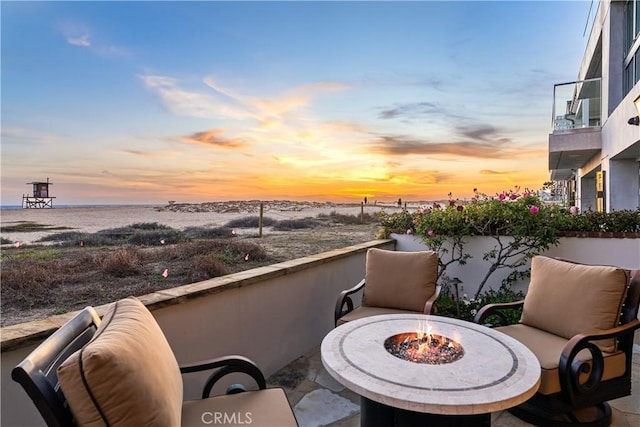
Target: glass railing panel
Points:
x,y
577,105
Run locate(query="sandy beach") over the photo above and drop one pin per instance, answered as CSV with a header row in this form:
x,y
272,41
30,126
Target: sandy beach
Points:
x,y
179,216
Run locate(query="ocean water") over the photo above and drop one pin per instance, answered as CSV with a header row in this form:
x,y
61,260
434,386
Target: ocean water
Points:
x,y
11,207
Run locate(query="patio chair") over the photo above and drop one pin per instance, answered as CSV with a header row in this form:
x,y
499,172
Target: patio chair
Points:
x,y
579,321
396,283
121,372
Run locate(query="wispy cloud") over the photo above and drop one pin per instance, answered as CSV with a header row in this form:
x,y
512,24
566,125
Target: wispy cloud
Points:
x,y
481,132
78,34
194,103
140,153
213,137
492,172
403,145
220,101
410,110
83,40
479,145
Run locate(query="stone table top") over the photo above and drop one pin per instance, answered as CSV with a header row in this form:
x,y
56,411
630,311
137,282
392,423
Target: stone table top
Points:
x,y
496,371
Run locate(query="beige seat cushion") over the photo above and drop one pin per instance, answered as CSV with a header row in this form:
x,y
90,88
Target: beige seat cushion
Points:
x,y
364,311
126,375
566,299
264,408
548,348
401,280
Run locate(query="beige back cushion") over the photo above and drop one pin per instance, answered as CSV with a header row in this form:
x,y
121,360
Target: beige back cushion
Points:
x,y
566,299
403,280
126,375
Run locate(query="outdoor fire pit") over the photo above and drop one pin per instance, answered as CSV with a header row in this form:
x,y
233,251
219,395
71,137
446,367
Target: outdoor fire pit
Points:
x,y
419,347
408,374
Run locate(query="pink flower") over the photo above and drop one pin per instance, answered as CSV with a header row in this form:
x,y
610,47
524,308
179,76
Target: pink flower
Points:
x,y
460,208
502,196
534,209
233,232
409,231
81,243
246,257
526,194
574,210
430,233
165,273
513,196
162,242
452,203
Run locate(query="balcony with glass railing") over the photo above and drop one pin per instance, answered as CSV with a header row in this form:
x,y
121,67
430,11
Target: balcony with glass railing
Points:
x,y
577,105
576,135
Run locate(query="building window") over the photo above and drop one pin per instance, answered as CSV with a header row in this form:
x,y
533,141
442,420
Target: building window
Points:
x,y
632,44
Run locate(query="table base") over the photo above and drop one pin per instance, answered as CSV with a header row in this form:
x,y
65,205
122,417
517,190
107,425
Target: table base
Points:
x,y
374,414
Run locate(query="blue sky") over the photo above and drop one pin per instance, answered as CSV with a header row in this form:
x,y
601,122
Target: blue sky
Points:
x,y
144,102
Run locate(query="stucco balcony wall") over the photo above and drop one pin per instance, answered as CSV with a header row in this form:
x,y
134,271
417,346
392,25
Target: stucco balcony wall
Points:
x,y
622,252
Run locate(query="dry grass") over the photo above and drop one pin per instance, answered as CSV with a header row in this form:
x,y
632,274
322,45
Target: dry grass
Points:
x,y
41,280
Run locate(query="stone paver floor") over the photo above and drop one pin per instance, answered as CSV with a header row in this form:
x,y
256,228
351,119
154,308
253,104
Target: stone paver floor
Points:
x,y
319,400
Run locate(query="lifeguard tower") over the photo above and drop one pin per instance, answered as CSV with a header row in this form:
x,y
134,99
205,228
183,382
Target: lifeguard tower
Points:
x,y
41,197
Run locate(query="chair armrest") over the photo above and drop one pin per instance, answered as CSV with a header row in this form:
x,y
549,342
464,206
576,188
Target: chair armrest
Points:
x,y
570,369
345,299
224,366
429,306
496,310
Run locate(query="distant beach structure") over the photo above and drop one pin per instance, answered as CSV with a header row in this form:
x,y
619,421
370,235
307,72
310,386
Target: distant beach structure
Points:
x,y
41,198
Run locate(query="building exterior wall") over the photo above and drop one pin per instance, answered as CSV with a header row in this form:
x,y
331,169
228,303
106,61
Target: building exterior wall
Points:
x,y
619,156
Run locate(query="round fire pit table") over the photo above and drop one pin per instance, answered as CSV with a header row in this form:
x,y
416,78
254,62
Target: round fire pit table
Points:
x,y
494,372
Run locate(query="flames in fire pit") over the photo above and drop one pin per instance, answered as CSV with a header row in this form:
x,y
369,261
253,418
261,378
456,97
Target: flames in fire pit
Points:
x,y
424,347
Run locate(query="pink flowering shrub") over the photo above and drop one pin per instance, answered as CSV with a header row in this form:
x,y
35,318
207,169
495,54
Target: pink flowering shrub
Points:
x,y
521,224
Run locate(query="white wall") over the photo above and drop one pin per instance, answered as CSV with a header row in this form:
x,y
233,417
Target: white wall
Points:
x,y
604,251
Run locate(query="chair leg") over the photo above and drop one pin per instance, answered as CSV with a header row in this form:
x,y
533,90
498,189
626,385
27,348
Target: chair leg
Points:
x,y
595,416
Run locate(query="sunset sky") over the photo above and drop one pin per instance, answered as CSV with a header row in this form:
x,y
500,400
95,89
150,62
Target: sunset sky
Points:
x,y
145,102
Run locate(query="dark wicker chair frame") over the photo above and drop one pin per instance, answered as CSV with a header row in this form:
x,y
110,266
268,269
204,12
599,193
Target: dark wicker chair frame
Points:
x,y
37,373
345,305
544,410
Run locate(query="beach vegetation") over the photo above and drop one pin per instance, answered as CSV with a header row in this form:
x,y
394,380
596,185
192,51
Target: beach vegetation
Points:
x,y
4,241
207,266
68,270
157,237
149,226
347,219
209,232
250,222
296,224
122,262
46,254
28,227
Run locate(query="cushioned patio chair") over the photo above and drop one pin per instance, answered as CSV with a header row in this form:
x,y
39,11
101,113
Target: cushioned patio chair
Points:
x,y
394,283
121,372
579,321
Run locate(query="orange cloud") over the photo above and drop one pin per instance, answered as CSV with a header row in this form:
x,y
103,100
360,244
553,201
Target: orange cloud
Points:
x,y
212,137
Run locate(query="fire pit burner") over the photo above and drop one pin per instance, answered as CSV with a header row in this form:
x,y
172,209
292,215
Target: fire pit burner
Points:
x,y
426,348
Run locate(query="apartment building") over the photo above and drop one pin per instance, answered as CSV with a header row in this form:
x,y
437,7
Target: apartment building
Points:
x,y
594,147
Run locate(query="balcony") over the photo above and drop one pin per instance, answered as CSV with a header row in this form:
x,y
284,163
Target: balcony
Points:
x,y
278,315
577,117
